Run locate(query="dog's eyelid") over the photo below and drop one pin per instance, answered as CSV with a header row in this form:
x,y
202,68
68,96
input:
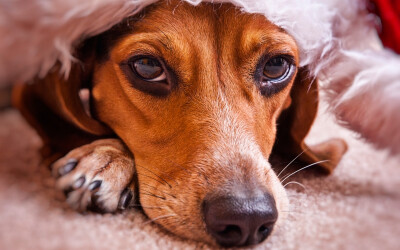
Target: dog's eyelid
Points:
x,y
160,78
143,52
285,53
287,56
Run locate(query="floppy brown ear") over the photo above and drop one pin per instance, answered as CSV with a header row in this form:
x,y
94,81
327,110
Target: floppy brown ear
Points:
x,y
295,122
53,107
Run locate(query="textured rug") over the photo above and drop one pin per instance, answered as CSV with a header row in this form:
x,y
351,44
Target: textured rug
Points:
x,y
357,207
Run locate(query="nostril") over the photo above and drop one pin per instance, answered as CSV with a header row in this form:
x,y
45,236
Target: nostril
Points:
x,y
264,231
229,232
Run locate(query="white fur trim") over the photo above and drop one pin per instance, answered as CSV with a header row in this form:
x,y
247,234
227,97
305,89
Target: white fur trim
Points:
x,y
366,96
37,33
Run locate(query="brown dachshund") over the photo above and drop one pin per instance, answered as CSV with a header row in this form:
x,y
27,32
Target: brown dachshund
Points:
x,y
186,106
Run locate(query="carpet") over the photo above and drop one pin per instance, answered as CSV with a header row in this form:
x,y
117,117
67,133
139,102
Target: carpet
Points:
x,y
357,207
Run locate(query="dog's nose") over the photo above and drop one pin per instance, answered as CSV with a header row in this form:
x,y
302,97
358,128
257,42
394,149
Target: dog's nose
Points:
x,y
238,221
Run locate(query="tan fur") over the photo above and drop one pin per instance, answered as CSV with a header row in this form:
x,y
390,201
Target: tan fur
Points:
x,y
210,135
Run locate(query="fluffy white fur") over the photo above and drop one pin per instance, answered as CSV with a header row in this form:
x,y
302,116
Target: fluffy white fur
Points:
x,y
335,37
365,94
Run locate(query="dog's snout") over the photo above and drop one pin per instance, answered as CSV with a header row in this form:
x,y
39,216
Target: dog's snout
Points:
x,y
239,221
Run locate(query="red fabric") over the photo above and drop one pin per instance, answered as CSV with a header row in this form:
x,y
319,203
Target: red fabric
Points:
x,y
389,13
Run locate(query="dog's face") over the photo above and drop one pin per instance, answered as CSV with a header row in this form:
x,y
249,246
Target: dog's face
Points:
x,y
201,96
195,93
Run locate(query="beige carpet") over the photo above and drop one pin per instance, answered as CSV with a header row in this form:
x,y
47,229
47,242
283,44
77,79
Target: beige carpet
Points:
x,y
358,207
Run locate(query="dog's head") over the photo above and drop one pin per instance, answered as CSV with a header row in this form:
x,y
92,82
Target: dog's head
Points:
x,y
201,96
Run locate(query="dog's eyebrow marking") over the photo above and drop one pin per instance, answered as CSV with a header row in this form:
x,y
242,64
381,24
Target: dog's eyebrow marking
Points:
x,y
167,42
276,41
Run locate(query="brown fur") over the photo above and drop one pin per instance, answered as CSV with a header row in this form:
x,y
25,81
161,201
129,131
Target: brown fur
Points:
x,y
211,134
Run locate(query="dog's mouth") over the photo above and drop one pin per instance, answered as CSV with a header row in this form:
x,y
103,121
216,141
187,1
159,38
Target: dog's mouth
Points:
x,y
232,209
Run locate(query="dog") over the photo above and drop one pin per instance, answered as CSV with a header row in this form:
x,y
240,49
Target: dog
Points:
x,y
185,107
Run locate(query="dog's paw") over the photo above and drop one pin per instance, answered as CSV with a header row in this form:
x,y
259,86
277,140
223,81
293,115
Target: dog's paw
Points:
x,y
97,176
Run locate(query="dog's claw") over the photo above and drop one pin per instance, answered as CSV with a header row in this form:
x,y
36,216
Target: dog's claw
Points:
x,y
79,182
94,185
71,164
97,176
125,200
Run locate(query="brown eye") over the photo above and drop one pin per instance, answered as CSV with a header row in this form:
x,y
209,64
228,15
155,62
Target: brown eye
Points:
x,y
276,68
273,74
149,69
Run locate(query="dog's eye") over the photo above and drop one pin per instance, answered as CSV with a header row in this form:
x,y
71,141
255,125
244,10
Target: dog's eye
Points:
x,y
274,74
276,68
149,75
149,69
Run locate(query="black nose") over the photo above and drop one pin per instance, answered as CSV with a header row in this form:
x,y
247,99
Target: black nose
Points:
x,y
239,221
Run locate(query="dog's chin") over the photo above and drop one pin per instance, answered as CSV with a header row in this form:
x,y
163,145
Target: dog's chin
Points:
x,y
183,213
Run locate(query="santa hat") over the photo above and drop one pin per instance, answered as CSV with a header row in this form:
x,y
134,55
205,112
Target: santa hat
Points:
x,y
336,38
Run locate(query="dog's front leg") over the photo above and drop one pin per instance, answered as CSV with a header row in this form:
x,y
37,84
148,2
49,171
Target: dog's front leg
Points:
x,y
97,176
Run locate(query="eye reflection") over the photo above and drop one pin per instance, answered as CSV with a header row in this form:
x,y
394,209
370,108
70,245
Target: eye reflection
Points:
x,y
276,68
148,69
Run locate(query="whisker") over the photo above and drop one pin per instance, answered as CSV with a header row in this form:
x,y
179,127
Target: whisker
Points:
x,y
149,207
148,185
179,166
155,175
286,175
165,173
295,182
291,162
153,179
312,164
173,196
154,195
159,217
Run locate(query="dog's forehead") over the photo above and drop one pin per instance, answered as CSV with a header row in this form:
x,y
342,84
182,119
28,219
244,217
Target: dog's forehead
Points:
x,y
173,23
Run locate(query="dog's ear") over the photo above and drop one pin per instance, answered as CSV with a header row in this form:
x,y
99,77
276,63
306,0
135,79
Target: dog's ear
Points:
x,y
295,122
52,105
